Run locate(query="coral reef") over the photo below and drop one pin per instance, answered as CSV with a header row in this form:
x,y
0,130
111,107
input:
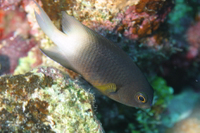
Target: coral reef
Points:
x,y
1,23
182,68
133,19
162,40
9,4
45,100
15,37
13,47
29,62
54,8
14,21
144,18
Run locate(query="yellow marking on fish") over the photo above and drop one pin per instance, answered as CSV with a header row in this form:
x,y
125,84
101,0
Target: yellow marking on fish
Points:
x,y
107,88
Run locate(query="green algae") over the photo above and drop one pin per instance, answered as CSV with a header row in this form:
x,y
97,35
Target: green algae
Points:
x,y
25,64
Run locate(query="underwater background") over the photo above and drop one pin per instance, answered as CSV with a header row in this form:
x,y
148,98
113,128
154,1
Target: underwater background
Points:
x,y
161,36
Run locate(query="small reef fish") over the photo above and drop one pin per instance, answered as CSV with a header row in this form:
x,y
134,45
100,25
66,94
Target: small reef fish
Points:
x,y
100,62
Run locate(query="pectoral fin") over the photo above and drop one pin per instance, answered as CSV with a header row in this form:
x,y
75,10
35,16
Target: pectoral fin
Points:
x,y
58,56
107,88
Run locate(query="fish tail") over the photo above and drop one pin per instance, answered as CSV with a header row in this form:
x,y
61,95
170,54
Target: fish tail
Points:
x,y
74,32
44,21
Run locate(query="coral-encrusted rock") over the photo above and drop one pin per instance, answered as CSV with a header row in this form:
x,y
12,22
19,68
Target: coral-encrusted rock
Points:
x,y
13,47
44,100
134,19
15,39
145,17
9,4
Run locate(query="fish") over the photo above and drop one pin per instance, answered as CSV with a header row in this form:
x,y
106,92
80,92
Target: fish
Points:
x,y
98,60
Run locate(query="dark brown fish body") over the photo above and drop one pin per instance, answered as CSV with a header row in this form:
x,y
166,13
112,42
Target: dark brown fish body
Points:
x,y
99,61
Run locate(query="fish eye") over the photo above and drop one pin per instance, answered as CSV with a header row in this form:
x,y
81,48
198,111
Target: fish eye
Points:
x,y
141,97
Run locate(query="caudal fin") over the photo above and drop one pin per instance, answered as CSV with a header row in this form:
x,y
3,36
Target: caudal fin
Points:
x,y
74,34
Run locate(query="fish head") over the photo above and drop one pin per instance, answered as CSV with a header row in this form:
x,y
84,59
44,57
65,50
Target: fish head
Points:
x,y
140,96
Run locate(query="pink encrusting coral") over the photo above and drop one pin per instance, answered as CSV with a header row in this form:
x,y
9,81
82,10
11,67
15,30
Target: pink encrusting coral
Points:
x,y
193,37
142,19
136,21
13,47
15,21
15,36
9,4
12,16
1,23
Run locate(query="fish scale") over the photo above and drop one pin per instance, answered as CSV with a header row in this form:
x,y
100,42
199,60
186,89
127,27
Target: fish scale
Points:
x,y
102,65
